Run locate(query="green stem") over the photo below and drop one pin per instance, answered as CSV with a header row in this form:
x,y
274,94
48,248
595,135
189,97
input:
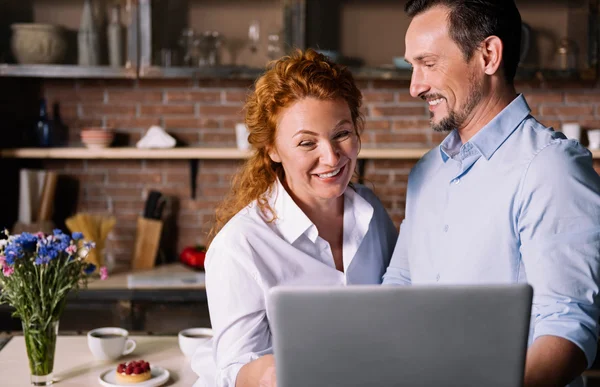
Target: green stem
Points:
x,y
40,341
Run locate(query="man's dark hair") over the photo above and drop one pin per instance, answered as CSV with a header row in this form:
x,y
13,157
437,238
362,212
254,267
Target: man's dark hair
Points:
x,y
472,21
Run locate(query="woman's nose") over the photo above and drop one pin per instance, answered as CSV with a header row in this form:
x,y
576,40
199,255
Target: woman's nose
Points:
x,y
330,154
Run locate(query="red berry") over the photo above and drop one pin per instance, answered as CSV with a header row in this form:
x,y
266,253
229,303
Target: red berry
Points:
x,y
120,368
146,367
137,370
128,371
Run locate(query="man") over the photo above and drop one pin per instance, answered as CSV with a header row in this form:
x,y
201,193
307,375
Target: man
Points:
x,y
504,199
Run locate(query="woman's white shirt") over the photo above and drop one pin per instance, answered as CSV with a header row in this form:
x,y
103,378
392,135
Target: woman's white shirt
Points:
x,y
250,255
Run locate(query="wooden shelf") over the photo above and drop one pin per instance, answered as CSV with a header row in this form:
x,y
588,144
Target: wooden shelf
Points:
x,y
180,153
190,153
65,71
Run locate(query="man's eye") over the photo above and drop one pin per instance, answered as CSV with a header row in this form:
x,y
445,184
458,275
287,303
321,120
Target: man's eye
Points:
x,y
429,65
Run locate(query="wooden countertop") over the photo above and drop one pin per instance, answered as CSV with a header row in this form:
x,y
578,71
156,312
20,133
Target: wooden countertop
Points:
x,y
74,365
171,276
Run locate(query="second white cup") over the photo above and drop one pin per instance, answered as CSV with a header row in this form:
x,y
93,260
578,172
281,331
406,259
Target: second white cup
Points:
x,y
241,136
594,138
110,343
572,130
192,338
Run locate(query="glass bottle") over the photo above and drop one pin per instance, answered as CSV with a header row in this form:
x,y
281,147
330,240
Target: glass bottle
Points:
x,y
58,127
274,50
87,37
115,38
44,126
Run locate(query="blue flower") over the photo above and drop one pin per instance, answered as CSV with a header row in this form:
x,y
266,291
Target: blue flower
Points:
x,y
77,236
57,232
27,241
13,252
49,250
89,245
42,260
89,269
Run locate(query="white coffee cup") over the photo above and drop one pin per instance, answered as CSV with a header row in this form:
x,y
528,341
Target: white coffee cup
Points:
x,y
190,339
572,130
110,343
594,138
241,136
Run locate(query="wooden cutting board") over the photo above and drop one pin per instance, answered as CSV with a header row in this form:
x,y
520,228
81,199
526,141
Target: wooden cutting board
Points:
x,y
147,240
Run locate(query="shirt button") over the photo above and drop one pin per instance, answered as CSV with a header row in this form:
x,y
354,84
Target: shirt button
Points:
x,y
446,227
437,278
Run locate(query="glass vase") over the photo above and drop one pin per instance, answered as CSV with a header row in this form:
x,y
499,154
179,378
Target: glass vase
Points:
x,y
40,341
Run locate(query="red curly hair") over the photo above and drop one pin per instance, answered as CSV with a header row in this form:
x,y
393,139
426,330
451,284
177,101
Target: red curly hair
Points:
x,y
287,80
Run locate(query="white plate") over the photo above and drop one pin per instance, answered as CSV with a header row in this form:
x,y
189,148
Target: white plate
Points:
x,y
159,377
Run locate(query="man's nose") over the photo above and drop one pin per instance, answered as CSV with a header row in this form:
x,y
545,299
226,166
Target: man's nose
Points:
x,y
417,84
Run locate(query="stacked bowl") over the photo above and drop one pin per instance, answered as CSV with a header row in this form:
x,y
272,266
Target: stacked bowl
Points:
x,y
97,138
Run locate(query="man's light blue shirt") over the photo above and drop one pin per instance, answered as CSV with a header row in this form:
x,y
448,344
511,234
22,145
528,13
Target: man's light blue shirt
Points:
x,y
518,202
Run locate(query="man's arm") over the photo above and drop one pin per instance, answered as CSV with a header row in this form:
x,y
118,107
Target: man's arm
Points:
x,y
559,228
553,361
398,271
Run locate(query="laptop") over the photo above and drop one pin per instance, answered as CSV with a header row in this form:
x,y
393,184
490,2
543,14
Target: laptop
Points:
x,y
369,335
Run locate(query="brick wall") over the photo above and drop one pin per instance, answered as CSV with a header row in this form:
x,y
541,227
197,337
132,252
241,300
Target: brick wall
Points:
x,y
204,112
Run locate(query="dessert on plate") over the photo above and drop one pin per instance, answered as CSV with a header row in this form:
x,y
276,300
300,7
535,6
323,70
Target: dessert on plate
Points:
x,y
135,371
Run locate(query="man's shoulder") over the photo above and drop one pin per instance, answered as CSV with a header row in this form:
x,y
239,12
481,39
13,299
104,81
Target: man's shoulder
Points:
x,y
534,138
430,160
364,192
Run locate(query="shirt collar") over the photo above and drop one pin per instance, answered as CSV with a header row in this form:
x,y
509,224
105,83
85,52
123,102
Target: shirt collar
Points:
x,y
492,135
292,222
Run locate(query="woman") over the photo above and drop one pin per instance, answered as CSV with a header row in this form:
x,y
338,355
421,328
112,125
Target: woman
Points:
x,y
292,216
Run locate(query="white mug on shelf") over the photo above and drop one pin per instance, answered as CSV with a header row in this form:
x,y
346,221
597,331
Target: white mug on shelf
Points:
x,y
241,136
594,138
572,130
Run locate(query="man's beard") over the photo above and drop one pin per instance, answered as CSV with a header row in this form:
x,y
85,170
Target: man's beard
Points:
x,y
456,119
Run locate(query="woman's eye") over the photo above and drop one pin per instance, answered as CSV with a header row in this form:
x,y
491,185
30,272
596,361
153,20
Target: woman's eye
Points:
x,y
306,144
342,134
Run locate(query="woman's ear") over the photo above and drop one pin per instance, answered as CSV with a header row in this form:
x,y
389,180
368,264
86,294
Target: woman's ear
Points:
x,y
274,155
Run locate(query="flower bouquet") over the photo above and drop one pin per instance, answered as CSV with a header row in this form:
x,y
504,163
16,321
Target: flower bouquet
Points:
x,y
38,272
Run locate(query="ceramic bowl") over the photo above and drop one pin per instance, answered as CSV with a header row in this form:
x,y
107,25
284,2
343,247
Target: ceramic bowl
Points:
x,y
34,43
97,137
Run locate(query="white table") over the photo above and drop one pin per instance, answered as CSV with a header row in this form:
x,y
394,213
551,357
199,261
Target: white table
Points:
x,y
74,365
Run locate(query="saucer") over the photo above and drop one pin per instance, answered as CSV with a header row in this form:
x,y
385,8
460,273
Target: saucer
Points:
x,y
159,377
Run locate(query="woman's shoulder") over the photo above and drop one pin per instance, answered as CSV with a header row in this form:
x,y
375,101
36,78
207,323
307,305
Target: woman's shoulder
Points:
x,y
235,232
367,193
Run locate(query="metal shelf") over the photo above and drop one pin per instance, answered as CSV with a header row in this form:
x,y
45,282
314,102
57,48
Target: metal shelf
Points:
x,y
244,73
65,71
217,72
241,72
182,153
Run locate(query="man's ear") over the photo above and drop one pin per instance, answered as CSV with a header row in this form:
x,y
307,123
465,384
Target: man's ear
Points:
x,y
274,155
491,54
